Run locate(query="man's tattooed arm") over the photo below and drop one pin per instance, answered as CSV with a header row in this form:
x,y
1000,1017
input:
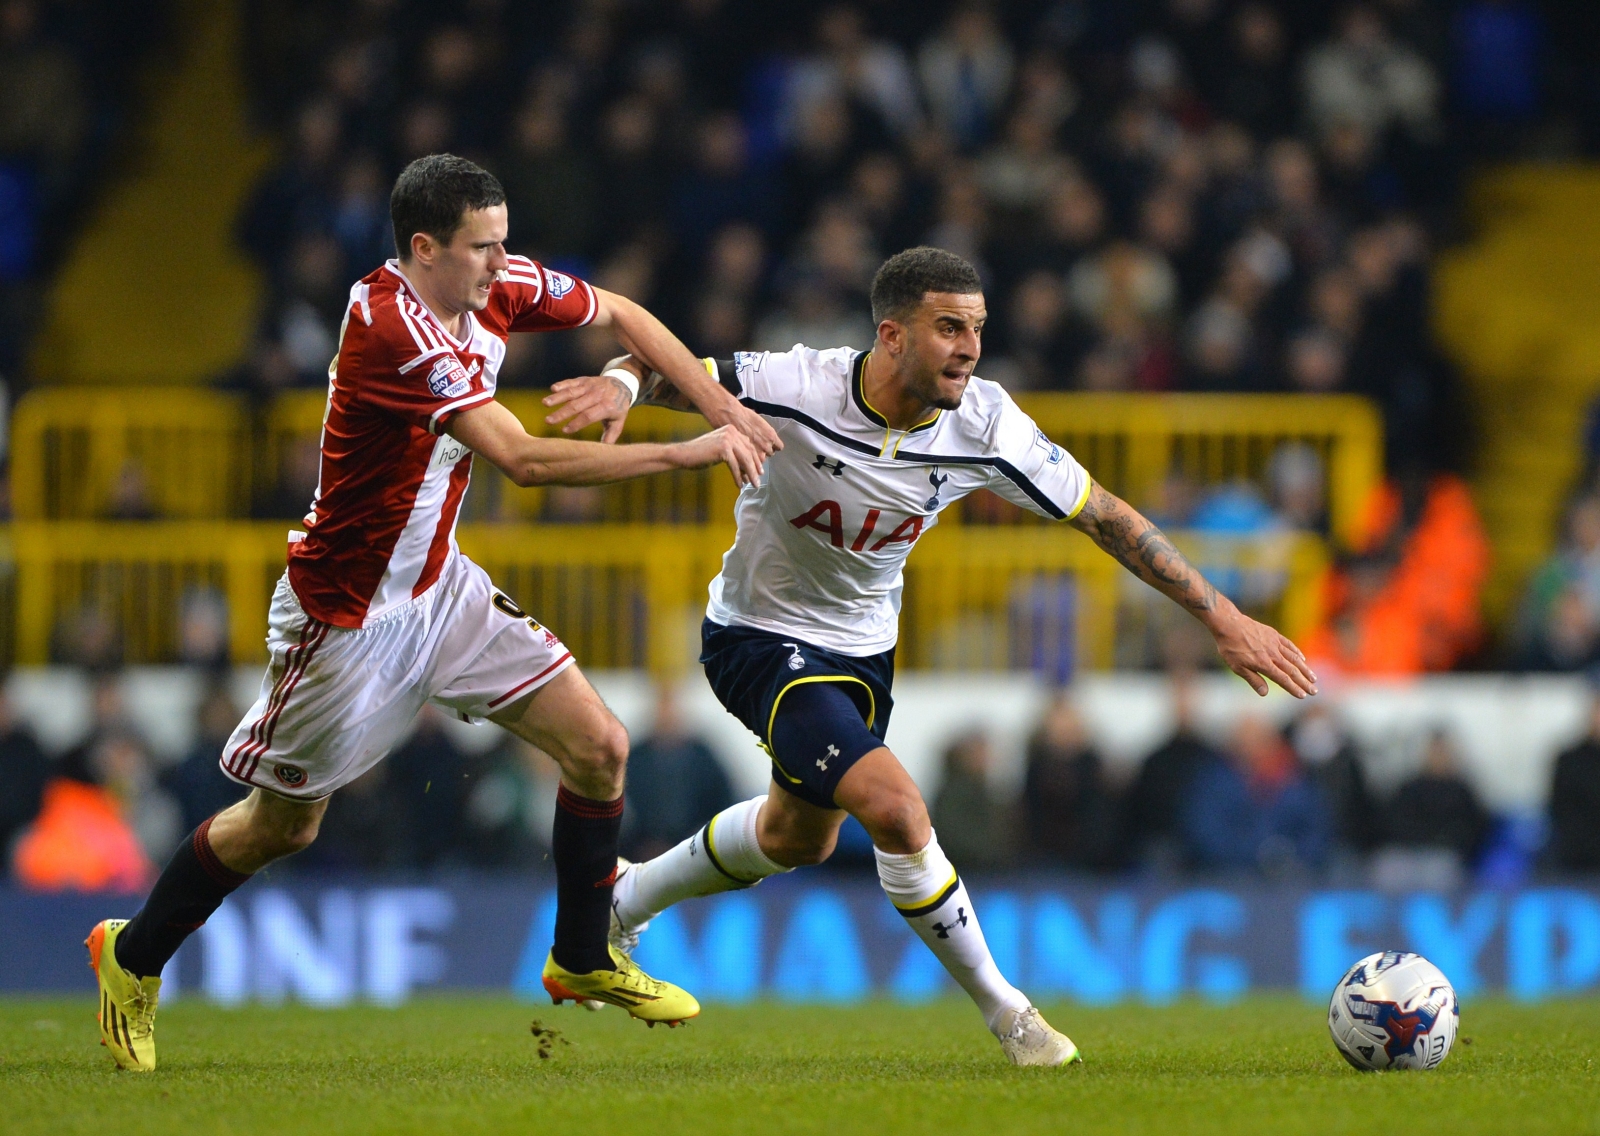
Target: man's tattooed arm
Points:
x,y
1250,649
1145,551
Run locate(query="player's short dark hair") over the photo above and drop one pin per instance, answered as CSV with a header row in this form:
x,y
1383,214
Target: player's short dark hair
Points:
x,y
432,195
906,277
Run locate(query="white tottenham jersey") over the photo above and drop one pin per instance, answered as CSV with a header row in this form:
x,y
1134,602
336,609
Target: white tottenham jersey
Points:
x,y
822,541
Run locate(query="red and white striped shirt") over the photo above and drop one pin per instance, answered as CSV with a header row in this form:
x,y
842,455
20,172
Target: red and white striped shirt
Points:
x,y
382,525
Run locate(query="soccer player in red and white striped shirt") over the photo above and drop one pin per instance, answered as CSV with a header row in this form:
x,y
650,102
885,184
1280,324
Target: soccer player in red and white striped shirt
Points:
x,y
379,612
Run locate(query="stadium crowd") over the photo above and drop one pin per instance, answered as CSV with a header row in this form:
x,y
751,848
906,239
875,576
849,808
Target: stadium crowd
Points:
x,y
1289,805
1186,195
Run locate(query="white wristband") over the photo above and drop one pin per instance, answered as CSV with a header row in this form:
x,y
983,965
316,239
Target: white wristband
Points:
x,y
628,379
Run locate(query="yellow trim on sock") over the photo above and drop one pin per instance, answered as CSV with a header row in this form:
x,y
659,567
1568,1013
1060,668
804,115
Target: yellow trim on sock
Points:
x,y
933,895
716,860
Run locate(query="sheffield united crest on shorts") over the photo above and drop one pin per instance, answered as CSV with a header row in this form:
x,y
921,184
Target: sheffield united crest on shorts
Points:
x,y
291,775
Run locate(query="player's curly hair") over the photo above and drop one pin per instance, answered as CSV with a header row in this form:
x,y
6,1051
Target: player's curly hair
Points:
x,y
432,194
906,277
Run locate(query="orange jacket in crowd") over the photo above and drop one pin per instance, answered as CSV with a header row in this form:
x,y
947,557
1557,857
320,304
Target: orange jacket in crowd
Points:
x,y
1425,615
79,842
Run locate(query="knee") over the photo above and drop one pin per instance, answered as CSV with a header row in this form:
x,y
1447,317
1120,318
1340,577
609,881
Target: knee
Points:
x,y
794,845
794,850
898,822
602,756
289,835
276,833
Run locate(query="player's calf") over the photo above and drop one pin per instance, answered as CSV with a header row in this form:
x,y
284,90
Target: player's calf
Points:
x,y
213,862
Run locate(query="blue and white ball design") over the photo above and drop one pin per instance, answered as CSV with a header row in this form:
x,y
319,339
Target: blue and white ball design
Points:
x,y
1394,1010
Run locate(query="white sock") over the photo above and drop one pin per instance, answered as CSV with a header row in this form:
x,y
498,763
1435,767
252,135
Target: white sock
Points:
x,y
722,856
924,887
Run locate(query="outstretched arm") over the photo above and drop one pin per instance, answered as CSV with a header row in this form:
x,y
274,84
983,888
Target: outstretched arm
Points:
x,y
494,432
587,400
1250,649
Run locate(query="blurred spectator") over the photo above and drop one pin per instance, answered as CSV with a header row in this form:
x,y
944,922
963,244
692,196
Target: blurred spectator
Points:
x,y
1409,601
80,842
43,110
1329,757
1257,809
1558,624
511,793
971,821
1068,813
1365,77
1437,809
871,73
552,187
122,765
88,637
966,73
25,770
1257,86
1575,802
1299,489
428,777
721,185
674,782
1152,831
203,630
105,821
197,782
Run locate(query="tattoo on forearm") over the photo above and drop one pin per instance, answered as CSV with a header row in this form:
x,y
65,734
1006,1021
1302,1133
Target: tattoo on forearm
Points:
x,y
657,391
1145,551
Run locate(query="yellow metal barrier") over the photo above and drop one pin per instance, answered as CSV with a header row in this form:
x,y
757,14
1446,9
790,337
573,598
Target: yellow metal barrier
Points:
x,y
976,598
71,447
195,448
1132,442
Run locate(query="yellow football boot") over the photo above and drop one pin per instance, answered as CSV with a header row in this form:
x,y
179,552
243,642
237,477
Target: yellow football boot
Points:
x,y
127,1004
648,999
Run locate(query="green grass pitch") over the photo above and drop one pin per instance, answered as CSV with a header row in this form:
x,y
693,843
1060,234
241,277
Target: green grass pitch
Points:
x,y
466,1065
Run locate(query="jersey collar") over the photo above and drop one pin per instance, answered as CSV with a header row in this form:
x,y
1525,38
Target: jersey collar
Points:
x,y
469,326
858,393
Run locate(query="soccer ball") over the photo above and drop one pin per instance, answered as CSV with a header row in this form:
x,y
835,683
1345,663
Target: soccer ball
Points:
x,y
1394,1010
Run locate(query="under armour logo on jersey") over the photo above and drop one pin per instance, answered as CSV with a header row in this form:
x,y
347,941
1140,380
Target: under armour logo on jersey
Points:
x,y
822,763
960,920
796,662
937,481
838,467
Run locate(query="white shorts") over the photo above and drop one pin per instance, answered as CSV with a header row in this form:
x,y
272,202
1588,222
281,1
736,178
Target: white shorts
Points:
x,y
334,701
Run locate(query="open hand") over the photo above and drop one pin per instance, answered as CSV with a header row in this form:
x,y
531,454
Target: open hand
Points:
x,y
724,444
587,400
1253,649
731,412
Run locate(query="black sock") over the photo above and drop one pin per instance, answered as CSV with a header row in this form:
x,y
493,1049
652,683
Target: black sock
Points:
x,y
192,886
584,847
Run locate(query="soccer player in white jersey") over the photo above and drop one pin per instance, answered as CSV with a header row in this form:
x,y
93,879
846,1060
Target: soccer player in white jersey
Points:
x,y
379,612
799,635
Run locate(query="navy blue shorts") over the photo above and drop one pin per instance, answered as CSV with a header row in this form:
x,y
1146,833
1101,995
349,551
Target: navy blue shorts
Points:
x,y
816,712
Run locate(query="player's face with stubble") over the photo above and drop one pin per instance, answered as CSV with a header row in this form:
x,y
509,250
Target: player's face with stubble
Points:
x,y
943,342
466,267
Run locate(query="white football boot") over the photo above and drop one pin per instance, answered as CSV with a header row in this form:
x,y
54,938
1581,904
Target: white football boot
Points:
x,y
1028,1039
